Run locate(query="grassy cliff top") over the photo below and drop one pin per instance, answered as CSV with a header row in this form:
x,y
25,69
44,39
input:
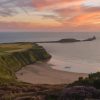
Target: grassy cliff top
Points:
x,y
14,47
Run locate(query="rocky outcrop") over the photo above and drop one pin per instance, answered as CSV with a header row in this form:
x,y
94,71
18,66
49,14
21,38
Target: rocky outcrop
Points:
x,y
75,40
90,39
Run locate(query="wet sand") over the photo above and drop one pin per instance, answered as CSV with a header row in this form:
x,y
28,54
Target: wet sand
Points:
x,y
42,73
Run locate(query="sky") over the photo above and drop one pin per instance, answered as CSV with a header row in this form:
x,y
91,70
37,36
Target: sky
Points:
x,y
50,15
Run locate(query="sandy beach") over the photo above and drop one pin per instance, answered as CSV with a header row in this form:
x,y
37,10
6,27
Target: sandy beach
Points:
x,y
42,73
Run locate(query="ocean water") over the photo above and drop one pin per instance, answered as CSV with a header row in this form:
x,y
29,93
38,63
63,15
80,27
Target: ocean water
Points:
x,y
82,57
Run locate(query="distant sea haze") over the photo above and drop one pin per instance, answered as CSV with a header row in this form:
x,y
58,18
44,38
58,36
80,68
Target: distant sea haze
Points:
x,y
82,57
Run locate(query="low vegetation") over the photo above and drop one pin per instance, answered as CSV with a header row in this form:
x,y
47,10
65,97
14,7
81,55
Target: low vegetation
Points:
x,y
83,89
23,91
92,80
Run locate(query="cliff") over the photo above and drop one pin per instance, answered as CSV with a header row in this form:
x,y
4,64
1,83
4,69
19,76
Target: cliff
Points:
x,y
14,56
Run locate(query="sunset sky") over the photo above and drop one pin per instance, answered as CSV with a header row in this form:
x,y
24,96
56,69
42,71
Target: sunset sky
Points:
x,y
50,15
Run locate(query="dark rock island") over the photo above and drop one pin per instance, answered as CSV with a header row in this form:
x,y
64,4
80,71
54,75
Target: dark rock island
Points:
x,y
69,40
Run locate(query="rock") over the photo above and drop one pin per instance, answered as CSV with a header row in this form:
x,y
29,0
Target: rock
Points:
x,y
90,39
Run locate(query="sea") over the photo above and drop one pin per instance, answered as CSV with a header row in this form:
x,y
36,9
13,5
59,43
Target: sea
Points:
x,y
80,57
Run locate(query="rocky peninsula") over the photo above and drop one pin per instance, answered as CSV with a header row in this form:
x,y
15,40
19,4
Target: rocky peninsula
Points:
x,y
69,40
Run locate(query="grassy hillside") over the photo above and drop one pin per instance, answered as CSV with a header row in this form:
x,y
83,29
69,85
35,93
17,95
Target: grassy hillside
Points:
x,y
14,56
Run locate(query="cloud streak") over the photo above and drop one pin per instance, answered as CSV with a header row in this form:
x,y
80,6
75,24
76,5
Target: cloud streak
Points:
x,y
11,7
64,13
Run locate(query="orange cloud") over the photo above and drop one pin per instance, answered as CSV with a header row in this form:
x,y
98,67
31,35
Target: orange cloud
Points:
x,y
83,22
86,19
54,4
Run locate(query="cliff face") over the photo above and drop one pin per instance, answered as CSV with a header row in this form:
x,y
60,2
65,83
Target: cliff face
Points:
x,y
14,56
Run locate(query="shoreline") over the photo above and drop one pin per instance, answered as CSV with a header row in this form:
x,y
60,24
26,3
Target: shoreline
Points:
x,y
42,73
